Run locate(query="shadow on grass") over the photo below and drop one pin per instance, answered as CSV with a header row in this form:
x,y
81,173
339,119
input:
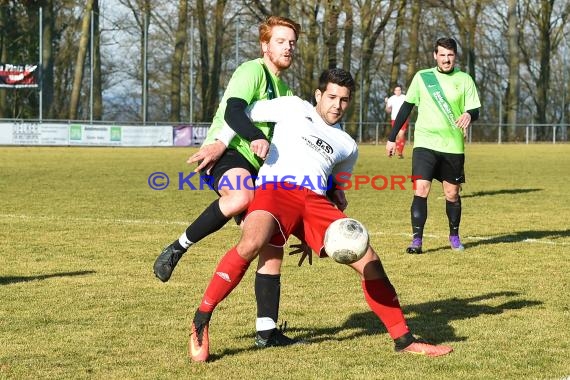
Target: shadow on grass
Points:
x,y
15,279
499,192
429,320
515,237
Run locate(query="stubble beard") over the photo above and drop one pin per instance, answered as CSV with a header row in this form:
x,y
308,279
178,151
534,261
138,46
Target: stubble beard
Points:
x,y
281,62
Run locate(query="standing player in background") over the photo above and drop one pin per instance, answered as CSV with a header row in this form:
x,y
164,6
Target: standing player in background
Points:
x,y
393,104
253,80
447,103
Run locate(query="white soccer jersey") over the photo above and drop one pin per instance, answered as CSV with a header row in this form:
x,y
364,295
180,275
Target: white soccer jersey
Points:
x,y
395,101
304,149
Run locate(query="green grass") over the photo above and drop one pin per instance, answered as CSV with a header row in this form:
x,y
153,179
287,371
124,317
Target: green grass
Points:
x,y
80,229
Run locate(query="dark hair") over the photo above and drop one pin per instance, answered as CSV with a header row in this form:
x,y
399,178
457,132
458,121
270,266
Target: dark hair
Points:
x,y
337,76
446,43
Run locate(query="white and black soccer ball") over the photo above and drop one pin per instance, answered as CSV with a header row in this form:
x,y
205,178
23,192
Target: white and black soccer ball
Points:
x,y
346,240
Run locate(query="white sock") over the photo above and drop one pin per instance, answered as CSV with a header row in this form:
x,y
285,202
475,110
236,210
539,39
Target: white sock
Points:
x,y
264,324
183,240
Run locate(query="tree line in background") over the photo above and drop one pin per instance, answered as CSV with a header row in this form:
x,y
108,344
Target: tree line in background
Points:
x,y
142,60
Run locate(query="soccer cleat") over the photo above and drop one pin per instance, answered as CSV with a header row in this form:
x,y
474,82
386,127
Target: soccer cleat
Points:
x,y
400,156
199,343
166,262
420,347
277,338
415,247
456,243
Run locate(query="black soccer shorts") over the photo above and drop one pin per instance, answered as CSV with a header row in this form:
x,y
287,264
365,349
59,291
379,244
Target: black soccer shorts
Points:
x,y
429,164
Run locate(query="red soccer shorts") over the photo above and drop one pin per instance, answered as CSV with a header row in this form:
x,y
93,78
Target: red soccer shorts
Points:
x,y
404,127
298,211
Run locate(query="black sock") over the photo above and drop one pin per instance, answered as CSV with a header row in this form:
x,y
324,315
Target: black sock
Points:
x,y
209,221
419,216
201,318
267,294
404,341
453,211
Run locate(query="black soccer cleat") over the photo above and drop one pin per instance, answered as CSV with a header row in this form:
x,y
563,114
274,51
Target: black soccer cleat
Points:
x,y
275,339
166,262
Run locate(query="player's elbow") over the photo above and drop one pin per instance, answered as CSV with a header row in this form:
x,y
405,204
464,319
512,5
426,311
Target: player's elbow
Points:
x,y
234,105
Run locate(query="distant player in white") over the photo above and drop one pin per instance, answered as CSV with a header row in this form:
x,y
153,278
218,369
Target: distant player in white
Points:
x,y
393,105
308,145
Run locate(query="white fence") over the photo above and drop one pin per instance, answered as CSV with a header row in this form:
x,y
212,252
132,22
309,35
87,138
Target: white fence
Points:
x,y
55,133
377,133
86,134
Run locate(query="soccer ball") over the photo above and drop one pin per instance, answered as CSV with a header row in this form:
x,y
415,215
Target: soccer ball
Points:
x,y
346,240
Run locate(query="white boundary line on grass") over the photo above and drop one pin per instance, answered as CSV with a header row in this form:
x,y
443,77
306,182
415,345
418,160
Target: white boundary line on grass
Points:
x,y
498,238
92,220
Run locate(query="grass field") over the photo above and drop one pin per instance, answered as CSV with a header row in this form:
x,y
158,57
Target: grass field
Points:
x,y
80,229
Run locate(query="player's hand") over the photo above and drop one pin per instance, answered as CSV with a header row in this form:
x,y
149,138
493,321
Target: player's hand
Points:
x,y
260,147
207,156
339,199
390,148
463,122
305,250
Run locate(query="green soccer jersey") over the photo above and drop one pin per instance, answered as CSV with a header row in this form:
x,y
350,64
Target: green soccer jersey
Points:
x,y
432,128
249,83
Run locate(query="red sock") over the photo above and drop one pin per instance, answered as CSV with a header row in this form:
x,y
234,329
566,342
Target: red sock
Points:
x,y
383,301
400,146
227,276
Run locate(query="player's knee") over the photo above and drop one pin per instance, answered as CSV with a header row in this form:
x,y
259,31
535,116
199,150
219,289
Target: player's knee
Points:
x,y
366,261
451,194
422,192
238,202
249,248
421,188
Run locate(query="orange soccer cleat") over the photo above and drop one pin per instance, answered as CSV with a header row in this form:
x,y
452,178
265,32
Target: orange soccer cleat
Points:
x,y
423,348
199,344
